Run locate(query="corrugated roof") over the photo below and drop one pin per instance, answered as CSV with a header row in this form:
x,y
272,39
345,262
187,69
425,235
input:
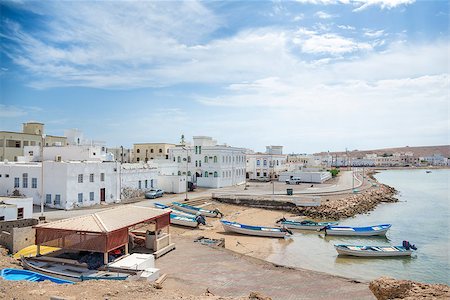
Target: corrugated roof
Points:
x,y
107,220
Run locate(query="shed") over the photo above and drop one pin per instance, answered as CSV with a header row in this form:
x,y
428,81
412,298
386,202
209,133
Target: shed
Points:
x,y
103,231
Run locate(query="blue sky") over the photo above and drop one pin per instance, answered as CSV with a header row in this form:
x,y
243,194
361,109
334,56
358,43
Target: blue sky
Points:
x,y
312,75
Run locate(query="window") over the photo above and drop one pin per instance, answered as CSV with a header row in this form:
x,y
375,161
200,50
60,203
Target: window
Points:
x,y
199,149
199,163
146,183
258,162
138,159
80,178
179,173
139,184
265,174
174,158
257,174
25,180
48,198
206,159
102,176
2,218
160,150
57,199
223,174
138,150
91,196
34,183
16,182
20,213
91,177
206,174
189,159
215,159
215,174
196,163
265,162
189,173
80,197
196,149
6,175
179,159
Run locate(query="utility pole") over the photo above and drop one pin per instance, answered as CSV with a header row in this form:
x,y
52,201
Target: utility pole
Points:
x,y
42,218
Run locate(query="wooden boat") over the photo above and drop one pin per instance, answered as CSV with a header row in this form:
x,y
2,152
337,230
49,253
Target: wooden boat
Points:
x,y
17,274
357,231
195,210
428,171
255,230
376,251
187,221
174,210
304,225
63,269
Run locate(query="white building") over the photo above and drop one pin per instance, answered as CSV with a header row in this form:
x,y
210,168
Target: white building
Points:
x,y
209,164
121,154
264,166
307,177
69,184
15,208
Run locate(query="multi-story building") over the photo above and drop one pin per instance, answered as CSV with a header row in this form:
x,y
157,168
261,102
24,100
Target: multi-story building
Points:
x,y
435,160
265,166
144,152
12,143
71,180
209,164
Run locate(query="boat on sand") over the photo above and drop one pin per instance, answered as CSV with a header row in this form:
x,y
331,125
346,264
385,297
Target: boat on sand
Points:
x,y
197,210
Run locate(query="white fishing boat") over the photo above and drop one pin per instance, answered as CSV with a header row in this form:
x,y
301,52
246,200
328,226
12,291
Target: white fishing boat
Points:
x,y
376,251
187,221
197,210
304,225
174,211
255,230
357,231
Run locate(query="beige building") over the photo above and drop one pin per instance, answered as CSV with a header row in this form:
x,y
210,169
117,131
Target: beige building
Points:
x,y
147,151
12,143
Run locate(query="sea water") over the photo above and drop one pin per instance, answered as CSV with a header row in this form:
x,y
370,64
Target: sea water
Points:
x,y
422,216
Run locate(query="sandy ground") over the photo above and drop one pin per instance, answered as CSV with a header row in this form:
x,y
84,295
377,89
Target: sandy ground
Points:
x,y
259,247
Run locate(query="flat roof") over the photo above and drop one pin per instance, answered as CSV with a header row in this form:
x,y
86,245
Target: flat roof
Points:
x,y
107,220
47,135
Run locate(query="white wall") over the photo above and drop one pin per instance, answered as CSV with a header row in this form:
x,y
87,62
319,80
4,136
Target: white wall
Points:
x,y
132,174
90,153
172,184
25,203
310,177
9,171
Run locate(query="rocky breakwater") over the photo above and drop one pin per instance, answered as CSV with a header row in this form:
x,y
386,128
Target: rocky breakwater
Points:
x,y
389,288
349,205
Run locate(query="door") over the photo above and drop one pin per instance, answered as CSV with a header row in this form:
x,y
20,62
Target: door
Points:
x,y
102,195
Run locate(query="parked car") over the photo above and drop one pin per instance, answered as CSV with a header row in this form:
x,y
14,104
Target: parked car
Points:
x,y
154,193
294,180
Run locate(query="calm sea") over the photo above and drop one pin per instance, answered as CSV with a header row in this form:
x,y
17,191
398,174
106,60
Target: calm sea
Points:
x,y
422,216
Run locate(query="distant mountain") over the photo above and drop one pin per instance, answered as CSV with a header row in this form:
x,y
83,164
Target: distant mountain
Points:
x,y
418,151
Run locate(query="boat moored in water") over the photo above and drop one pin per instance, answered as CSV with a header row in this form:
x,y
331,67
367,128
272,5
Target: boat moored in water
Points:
x,y
255,230
304,225
376,251
197,210
357,231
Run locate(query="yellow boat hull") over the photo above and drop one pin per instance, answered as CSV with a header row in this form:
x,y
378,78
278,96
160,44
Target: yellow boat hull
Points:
x,y
30,251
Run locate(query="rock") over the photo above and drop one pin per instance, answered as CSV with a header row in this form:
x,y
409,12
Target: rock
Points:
x,y
258,296
389,288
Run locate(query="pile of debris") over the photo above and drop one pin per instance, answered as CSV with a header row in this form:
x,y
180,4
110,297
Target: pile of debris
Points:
x,y
389,288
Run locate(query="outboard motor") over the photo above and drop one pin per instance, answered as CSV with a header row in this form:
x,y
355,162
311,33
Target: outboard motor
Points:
x,y
217,212
286,230
200,220
407,245
283,219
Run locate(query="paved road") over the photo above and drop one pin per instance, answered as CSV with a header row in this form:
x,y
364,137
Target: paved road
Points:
x,y
226,273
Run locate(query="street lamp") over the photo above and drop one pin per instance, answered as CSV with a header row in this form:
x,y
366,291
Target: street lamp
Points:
x,y
42,218
187,168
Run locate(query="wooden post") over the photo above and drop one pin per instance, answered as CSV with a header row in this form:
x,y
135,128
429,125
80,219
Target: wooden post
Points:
x,y
126,248
105,258
38,250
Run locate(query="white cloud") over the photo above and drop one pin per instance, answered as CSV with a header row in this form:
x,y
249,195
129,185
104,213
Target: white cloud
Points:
x,y
373,33
346,27
323,15
331,43
11,111
360,4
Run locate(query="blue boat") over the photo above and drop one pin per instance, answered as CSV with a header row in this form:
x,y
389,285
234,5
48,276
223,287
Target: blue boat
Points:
x,y
357,231
17,274
174,210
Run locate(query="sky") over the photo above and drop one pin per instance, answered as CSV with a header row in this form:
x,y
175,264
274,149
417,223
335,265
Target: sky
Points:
x,y
311,75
